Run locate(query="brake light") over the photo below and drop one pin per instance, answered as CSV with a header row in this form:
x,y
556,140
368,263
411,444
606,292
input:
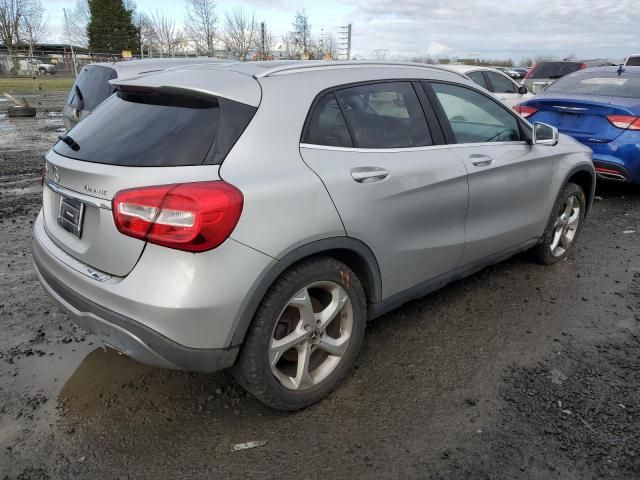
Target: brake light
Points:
x,y
186,216
626,122
525,110
530,72
583,66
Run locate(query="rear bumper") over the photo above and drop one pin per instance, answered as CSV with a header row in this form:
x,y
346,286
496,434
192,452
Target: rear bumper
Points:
x,y
621,155
130,337
175,309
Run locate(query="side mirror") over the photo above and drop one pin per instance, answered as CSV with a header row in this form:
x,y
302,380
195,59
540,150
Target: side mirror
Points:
x,y
544,134
522,90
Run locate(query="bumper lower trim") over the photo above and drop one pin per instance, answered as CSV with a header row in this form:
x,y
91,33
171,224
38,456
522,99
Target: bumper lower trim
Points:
x,y
129,336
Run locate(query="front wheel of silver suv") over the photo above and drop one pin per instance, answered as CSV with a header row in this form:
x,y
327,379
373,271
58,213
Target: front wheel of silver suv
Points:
x,y
305,336
563,227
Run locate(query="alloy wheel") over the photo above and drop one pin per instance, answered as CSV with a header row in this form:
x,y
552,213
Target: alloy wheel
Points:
x,y
311,335
566,226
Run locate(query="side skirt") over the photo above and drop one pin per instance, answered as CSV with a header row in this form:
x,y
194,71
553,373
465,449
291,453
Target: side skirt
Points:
x,y
400,298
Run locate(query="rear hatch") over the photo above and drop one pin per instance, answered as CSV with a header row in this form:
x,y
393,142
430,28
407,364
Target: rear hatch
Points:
x,y
584,117
142,136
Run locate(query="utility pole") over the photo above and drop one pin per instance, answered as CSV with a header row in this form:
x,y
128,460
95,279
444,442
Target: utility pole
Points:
x,y
263,41
73,55
345,36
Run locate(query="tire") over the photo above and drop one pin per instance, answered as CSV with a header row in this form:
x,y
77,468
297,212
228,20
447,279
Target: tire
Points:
x,y
21,111
563,227
280,316
42,71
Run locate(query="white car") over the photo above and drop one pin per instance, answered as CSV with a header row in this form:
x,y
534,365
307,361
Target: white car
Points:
x,y
503,87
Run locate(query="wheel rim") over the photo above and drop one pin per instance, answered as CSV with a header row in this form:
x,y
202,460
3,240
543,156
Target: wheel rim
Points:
x,y
566,227
311,336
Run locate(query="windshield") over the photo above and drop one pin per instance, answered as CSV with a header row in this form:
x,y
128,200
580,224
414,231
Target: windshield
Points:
x,y
608,84
91,87
157,128
554,69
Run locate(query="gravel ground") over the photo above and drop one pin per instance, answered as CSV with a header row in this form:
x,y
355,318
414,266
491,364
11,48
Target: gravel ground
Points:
x,y
518,372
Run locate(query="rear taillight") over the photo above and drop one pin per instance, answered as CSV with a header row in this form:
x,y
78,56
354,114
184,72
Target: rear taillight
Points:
x,y
626,122
530,72
187,216
583,66
525,110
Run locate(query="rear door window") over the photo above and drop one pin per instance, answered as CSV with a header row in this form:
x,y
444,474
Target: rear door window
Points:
x,y
92,87
158,128
478,78
500,83
633,61
384,115
474,117
326,125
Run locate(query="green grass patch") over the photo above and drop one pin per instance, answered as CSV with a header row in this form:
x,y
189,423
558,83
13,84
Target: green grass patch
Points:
x,y
26,85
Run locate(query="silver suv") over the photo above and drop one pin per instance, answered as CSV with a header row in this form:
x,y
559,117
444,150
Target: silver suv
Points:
x,y
256,215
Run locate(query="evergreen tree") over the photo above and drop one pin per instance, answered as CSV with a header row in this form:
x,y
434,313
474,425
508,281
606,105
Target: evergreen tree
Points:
x,y
111,27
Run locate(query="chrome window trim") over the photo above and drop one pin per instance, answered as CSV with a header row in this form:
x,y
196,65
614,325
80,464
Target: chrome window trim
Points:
x,y
407,149
87,199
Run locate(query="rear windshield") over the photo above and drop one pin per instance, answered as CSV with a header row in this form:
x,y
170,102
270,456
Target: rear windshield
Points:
x,y
91,87
633,61
157,128
608,84
554,69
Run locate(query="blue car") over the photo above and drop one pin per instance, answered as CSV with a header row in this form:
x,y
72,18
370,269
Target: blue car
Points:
x,y
599,107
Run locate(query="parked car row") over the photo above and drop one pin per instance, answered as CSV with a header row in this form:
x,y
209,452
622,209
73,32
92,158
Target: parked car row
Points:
x,y
255,215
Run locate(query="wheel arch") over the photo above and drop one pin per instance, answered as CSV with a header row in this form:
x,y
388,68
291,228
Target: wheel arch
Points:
x,y
350,251
585,178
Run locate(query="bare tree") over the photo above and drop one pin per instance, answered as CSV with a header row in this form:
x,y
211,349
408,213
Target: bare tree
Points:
x,y
302,32
240,33
291,48
146,33
34,23
167,36
200,25
11,13
76,23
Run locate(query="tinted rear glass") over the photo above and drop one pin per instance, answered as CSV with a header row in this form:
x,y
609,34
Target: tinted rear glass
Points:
x,y
156,129
633,61
91,87
554,69
607,84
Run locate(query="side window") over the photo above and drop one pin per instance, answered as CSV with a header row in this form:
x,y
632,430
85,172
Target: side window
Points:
x,y
478,78
474,117
501,84
326,125
385,115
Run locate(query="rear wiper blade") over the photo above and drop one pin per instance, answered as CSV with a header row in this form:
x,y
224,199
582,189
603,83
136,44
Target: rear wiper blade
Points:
x,y
69,141
555,76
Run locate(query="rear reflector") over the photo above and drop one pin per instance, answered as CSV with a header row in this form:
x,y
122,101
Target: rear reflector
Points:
x,y
626,122
525,110
187,216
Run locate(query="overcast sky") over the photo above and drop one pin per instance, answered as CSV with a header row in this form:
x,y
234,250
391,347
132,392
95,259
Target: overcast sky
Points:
x,y
455,28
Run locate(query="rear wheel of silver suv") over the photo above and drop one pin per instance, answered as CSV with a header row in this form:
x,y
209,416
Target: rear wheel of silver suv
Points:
x,y
305,336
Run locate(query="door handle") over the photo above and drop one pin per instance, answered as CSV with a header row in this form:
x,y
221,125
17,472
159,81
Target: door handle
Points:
x,y
481,160
368,174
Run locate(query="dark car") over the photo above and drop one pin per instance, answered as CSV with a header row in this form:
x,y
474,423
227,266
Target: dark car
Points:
x,y
545,73
599,107
92,85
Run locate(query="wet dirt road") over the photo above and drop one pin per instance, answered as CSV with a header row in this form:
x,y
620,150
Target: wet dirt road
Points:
x,y
519,372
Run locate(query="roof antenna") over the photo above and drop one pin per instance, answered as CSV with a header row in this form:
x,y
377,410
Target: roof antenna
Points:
x,y
620,70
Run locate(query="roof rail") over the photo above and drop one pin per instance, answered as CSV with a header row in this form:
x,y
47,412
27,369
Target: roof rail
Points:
x,y
323,64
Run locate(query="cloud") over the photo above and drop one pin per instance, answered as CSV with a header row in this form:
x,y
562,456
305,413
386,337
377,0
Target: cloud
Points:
x,y
499,29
